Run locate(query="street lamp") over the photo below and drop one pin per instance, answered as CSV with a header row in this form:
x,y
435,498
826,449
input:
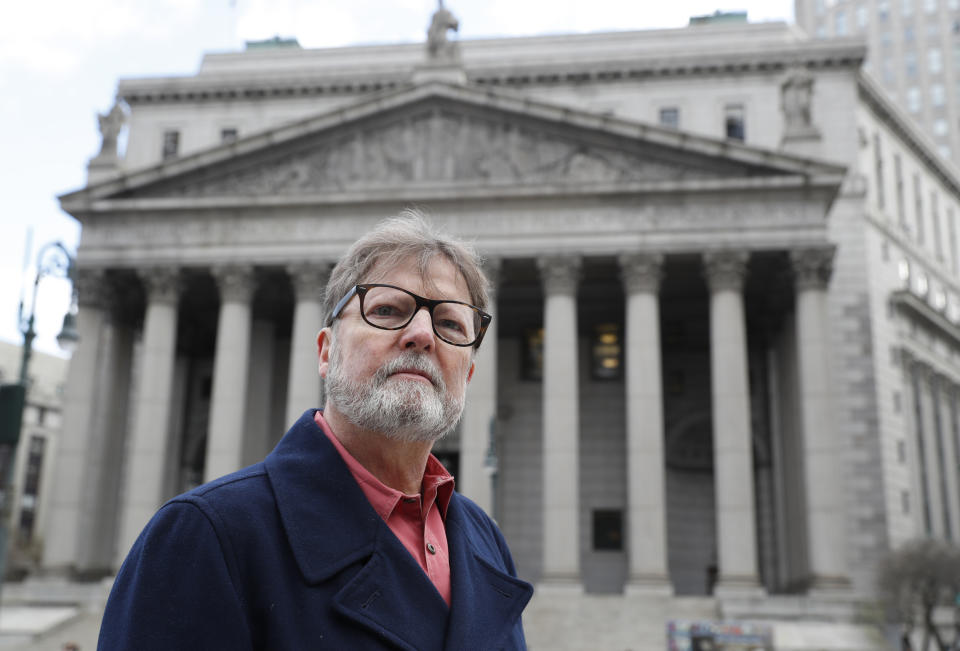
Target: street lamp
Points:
x,y
52,260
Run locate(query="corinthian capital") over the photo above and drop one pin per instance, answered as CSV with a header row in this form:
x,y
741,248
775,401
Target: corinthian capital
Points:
x,y
93,288
162,284
812,267
560,274
309,279
235,282
641,272
725,269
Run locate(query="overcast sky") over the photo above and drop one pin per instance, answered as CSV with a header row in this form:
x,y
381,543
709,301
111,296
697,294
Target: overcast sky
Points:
x,y
60,61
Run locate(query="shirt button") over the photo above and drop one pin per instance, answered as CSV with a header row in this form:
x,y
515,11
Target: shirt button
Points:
x,y
431,548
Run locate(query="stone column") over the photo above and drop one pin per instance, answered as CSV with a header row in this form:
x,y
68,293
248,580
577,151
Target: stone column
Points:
x,y
646,482
479,417
732,436
949,461
561,424
303,379
83,395
822,448
930,457
147,451
225,433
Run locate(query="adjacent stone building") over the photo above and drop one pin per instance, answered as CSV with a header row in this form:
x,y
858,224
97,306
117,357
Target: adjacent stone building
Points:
x,y
725,353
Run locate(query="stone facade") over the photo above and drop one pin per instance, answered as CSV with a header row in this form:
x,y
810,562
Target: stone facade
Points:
x,y
705,354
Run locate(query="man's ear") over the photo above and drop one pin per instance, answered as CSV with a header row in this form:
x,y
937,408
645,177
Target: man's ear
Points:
x,y
324,343
473,366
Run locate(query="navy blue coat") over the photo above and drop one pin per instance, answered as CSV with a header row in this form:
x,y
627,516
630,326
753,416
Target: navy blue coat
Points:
x,y
288,555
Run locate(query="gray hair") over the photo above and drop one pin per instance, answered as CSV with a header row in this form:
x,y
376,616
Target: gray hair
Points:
x,y
407,236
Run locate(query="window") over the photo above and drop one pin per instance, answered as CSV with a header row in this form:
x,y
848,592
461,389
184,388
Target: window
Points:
x,y
901,204
944,151
878,170
228,134
906,6
938,95
935,216
908,34
670,117
952,241
862,17
733,120
918,208
910,64
883,10
840,23
934,61
171,144
930,6
913,99
940,127
608,530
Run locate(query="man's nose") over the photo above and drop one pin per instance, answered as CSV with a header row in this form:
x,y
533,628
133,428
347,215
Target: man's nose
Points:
x,y
419,332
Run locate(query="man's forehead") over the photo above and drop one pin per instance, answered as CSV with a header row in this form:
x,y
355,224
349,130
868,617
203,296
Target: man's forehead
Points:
x,y
436,276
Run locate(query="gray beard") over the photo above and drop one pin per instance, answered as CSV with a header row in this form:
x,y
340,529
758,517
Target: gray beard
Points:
x,y
405,411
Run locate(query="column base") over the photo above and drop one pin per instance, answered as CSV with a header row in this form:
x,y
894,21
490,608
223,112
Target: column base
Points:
x,y
739,587
648,585
560,586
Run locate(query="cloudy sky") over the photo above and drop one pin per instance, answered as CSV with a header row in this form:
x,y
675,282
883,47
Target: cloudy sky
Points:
x,y
60,61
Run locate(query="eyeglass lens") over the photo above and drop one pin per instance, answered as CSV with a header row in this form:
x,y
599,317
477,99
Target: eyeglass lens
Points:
x,y
391,308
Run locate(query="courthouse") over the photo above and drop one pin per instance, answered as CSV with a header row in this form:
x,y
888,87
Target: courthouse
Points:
x,y
725,355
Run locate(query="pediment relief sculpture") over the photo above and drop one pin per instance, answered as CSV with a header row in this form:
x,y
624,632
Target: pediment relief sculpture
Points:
x,y
436,147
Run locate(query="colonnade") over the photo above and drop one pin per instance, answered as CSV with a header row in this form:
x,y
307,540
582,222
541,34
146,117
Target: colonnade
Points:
x,y
94,390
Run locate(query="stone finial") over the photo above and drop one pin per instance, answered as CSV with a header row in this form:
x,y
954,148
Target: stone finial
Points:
x,y
163,284
235,282
641,272
725,270
812,267
309,278
796,99
560,274
439,47
110,125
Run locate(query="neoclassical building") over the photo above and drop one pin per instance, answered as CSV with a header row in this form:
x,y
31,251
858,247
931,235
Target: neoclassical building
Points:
x,y
725,354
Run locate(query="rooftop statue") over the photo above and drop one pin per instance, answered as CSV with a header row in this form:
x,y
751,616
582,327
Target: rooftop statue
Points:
x,y
438,46
110,125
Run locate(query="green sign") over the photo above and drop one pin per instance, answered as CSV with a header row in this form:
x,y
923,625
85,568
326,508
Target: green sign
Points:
x,y
11,412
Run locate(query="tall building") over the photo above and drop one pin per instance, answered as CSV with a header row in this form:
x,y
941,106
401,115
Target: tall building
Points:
x,y
723,372
913,53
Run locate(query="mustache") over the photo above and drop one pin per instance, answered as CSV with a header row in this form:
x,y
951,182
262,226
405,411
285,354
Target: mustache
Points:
x,y
409,361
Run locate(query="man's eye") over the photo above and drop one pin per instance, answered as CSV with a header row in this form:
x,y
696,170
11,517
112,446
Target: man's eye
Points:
x,y
448,324
384,310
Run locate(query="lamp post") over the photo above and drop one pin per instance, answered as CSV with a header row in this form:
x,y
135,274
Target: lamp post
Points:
x,y
52,260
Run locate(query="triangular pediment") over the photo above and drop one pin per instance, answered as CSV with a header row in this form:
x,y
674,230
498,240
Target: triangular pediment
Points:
x,y
438,136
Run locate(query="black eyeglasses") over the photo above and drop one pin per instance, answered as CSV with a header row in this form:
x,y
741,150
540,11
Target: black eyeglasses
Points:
x,y
392,308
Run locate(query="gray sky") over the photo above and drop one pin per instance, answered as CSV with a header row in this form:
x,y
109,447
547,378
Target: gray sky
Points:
x,y
60,61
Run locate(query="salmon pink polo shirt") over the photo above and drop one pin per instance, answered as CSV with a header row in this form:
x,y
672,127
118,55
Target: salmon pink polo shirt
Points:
x,y
417,520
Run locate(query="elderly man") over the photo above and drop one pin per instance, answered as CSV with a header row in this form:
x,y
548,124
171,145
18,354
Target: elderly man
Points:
x,y
349,535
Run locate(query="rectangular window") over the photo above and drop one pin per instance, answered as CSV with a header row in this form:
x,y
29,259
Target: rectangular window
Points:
x,y
952,243
608,530
883,10
913,99
930,6
878,171
935,216
840,23
938,96
733,120
906,6
918,208
910,64
171,143
228,134
862,17
918,425
670,117
901,202
934,61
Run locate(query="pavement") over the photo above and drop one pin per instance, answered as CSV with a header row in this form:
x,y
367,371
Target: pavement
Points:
x,y
51,615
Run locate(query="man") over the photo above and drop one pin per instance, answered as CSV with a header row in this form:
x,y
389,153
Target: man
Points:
x,y
349,534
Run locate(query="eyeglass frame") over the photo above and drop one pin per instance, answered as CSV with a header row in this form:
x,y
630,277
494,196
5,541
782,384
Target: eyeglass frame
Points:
x,y
360,290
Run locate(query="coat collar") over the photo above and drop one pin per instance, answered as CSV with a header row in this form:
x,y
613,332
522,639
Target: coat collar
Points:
x,y
316,493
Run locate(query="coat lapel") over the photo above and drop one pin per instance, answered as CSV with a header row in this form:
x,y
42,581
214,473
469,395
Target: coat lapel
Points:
x,y
487,602
330,525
